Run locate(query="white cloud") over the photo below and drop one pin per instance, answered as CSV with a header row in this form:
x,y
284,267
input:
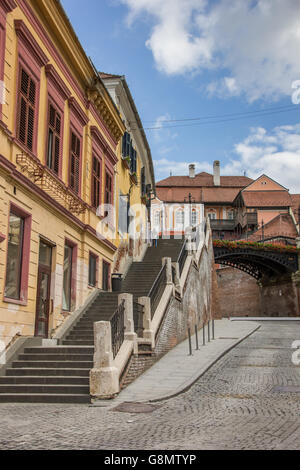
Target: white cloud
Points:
x,y
164,167
275,153
256,41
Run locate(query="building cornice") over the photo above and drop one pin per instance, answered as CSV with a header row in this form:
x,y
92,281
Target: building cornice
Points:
x,y
28,40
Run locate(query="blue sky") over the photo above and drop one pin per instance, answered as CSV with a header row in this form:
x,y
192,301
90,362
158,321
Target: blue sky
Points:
x,y
186,59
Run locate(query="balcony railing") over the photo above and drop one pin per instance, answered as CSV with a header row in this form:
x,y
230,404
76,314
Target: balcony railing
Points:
x,y
222,224
50,184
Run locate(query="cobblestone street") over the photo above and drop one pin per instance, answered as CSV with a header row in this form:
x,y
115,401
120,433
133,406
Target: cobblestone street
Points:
x,y
235,405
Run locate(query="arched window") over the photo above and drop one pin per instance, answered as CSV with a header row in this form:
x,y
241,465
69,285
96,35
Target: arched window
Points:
x,y
157,218
179,218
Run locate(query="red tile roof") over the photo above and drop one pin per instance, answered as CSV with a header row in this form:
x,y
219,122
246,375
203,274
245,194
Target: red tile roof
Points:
x,y
267,198
219,194
206,195
296,205
205,180
282,225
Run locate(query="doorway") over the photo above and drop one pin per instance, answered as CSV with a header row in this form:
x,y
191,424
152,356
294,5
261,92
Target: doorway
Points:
x,y
43,291
105,276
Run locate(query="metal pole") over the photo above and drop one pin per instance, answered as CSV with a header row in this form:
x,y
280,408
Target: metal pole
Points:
x,y
213,328
208,330
203,331
196,336
190,342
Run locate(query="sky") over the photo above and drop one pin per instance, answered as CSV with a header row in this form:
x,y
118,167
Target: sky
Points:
x,y
211,79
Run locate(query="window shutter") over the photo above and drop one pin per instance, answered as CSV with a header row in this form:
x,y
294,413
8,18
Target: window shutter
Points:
x,y
75,163
54,125
96,182
22,121
27,101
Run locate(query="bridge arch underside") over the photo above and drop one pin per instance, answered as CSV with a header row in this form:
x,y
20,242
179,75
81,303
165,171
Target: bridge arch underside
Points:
x,y
256,265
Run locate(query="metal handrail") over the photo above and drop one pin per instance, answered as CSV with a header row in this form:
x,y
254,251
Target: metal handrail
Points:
x,y
182,257
118,328
156,290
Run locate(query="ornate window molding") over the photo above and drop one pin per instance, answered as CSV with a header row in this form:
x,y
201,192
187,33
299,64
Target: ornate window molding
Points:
x,y
25,36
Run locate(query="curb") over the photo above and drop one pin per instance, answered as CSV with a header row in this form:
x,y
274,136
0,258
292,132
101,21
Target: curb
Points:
x,y
194,379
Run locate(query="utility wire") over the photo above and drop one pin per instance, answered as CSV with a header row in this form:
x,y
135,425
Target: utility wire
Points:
x,y
274,108
235,117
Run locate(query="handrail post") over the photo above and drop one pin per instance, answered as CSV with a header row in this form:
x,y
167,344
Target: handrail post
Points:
x,y
148,333
128,319
104,377
168,263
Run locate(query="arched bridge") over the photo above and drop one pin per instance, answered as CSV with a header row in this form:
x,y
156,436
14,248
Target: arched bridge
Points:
x,y
258,262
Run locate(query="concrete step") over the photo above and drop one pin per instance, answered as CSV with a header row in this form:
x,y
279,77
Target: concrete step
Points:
x,y
44,380
53,364
43,398
55,357
48,389
60,350
42,372
78,342
81,337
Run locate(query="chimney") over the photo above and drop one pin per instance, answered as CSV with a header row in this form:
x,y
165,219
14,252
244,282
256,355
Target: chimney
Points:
x,y
192,171
217,179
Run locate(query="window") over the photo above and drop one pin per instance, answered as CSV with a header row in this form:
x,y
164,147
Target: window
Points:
x,y
180,218
194,217
129,151
108,189
230,215
133,161
54,138
123,213
67,279
143,182
26,109
157,218
75,163
126,145
14,257
96,182
212,216
93,261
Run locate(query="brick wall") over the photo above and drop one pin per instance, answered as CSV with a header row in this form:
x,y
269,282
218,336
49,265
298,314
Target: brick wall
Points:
x,y
194,308
240,295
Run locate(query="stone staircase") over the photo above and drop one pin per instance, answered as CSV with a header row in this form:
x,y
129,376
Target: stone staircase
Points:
x,y
60,374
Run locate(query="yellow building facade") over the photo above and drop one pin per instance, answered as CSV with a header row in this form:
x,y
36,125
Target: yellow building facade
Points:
x,y
135,174
60,141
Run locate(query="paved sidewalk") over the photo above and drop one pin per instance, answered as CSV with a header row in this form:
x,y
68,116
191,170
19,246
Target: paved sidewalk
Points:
x,y
177,371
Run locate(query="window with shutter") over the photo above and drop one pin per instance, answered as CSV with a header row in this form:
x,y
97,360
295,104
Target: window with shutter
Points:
x,y
96,182
26,112
143,182
54,138
74,179
108,199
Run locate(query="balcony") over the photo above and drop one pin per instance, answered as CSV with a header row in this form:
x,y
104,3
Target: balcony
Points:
x,y
222,224
50,184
